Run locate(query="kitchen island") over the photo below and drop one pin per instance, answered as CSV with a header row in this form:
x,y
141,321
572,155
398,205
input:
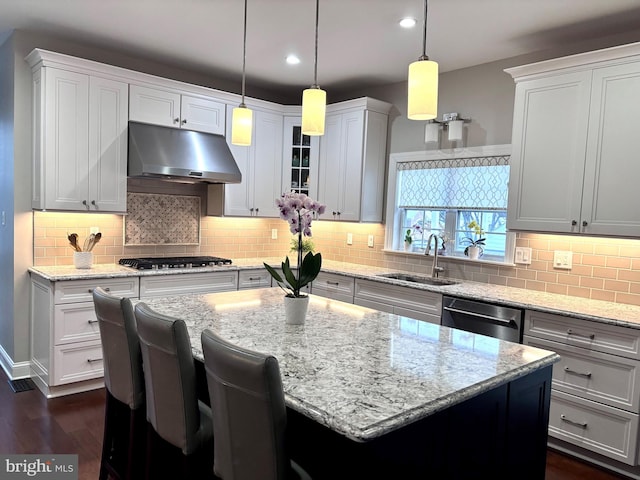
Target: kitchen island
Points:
x,y
377,395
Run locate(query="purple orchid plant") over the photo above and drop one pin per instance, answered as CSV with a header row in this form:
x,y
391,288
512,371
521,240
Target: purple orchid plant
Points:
x,y
298,210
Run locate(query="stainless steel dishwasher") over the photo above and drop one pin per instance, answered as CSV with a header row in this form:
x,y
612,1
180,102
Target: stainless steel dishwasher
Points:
x,y
496,321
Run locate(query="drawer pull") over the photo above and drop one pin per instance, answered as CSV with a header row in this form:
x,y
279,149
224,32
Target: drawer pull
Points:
x,y
106,289
588,335
564,418
254,278
333,283
582,374
93,360
92,321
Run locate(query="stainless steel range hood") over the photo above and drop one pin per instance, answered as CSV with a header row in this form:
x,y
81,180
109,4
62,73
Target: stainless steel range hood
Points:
x,y
180,155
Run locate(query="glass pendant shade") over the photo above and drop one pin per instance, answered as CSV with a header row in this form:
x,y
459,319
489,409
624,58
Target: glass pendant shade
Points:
x,y
422,101
314,105
241,126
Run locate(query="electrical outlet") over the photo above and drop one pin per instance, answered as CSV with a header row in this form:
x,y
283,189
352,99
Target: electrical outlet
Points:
x,y
370,241
349,238
562,259
93,230
523,255
274,233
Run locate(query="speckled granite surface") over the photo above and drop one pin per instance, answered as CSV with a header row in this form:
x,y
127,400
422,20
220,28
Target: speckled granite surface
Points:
x,y
355,370
605,312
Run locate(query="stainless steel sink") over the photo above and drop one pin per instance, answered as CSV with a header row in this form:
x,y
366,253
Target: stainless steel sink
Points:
x,y
407,277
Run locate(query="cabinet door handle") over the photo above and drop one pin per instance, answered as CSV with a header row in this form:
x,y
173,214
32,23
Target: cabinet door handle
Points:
x,y
579,334
106,289
254,278
176,120
564,418
93,202
574,222
93,360
582,374
84,202
584,223
184,122
257,210
333,283
92,321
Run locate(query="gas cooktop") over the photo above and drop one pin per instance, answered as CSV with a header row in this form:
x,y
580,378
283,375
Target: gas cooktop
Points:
x,y
155,263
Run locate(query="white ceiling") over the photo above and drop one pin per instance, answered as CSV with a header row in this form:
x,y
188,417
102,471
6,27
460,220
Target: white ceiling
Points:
x,y
360,42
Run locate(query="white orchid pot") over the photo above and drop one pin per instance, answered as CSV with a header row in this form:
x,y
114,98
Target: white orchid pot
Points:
x,y
474,252
295,309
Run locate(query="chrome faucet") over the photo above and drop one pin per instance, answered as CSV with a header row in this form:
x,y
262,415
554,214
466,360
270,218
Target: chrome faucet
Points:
x,y
435,269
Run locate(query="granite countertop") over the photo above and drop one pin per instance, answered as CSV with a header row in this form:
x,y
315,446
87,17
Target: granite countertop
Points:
x,y
358,371
576,307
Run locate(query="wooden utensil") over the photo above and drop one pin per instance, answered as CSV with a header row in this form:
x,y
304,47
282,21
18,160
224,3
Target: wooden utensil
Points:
x,y
96,239
73,241
88,241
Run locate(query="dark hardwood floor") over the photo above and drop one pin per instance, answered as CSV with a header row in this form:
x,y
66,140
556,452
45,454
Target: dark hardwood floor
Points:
x,y
29,423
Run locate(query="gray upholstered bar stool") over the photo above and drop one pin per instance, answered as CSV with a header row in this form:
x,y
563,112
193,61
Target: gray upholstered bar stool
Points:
x,y
124,419
249,414
174,413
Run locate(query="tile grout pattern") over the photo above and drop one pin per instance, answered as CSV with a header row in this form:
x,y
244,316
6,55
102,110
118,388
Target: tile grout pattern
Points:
x,y
603,268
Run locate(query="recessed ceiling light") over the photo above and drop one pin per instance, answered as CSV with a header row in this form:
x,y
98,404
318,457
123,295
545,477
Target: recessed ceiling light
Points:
x,y
293,59
408,22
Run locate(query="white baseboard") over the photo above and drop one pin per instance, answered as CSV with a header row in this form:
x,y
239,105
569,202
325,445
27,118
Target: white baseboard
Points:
x,y
12,369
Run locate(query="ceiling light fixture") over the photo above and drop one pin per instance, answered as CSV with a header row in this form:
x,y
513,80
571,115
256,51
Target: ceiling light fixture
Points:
x,y
314,99
242,119
422,98
292,59
407,22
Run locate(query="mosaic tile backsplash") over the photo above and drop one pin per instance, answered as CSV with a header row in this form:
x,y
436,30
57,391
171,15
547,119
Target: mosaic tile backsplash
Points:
x,y
155,219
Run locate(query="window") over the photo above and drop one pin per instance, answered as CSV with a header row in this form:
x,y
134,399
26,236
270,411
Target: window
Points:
x,y
443,195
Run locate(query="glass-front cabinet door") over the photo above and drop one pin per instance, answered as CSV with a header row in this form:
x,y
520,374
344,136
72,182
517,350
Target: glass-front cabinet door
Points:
x,y
300,172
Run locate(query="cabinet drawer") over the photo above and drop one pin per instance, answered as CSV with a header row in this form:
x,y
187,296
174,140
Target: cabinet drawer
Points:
x,y
332,284
75,362
155,286
597,376
75,322
81,290
404,297
253,279
584,333
602,429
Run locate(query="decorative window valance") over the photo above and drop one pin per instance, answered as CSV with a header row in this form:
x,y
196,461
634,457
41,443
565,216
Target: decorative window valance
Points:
x,y
478,183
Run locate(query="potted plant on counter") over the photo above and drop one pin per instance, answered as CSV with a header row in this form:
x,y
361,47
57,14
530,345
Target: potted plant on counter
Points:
x,y
298,210
475,248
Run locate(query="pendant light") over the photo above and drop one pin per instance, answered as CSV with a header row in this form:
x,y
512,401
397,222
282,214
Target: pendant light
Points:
x,y
242,119
422,99
314,99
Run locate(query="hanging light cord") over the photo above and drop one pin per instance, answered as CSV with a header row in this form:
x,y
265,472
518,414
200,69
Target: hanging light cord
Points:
x,y
244,52
424,34
315,64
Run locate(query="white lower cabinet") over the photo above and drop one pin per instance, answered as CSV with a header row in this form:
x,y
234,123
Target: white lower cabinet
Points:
x,y
595,397
333,285
254,278
66,354
409,302
163,285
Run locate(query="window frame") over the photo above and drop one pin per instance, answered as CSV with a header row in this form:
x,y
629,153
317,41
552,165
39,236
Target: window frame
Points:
x,y
394,216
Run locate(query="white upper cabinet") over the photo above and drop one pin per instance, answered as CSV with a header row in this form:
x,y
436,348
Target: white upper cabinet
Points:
x,y
300,159
574,144
80,141
261,168
175,109
352,160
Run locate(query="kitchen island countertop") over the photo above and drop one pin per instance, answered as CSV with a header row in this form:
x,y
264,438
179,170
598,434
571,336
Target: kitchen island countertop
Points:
x,y
576,307
358,371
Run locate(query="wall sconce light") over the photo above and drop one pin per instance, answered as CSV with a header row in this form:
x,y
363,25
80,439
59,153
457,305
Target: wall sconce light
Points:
x,y
451,122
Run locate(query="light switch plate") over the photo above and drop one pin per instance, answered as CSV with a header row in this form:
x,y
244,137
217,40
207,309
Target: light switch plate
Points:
x,y
370,241
349,238
274,234
523,256
94,230
562,259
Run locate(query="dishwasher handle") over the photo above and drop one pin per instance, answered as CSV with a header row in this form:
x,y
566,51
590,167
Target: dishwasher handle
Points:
x,y
501,321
